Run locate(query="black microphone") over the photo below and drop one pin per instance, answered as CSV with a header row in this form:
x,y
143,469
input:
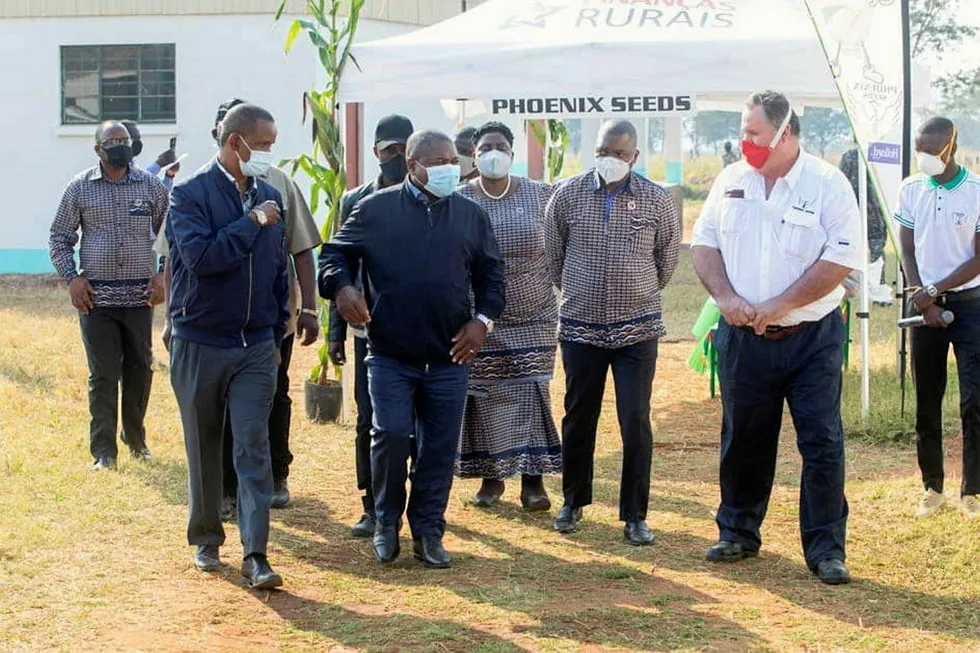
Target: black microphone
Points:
x,y
946,317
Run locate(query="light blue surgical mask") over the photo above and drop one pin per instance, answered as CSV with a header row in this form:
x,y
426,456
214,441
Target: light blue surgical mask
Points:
x,y
443,180
258,162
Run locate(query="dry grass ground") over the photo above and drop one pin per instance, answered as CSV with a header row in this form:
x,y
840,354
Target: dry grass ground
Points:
x,y
99,561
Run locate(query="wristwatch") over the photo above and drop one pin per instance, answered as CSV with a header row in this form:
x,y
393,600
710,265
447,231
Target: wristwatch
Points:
x,y
260,217
487,322
931,290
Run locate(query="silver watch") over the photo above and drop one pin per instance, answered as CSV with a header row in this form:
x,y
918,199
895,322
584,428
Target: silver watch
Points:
x,y
932,291
487,322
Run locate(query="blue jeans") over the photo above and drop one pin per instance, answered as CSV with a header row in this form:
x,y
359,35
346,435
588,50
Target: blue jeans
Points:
x,y
428,401
206,380
757,376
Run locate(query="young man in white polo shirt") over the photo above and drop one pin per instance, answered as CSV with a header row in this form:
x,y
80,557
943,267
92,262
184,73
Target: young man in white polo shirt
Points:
x,y
939,214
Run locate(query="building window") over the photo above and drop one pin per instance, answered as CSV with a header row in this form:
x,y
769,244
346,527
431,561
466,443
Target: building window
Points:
x,y
116,82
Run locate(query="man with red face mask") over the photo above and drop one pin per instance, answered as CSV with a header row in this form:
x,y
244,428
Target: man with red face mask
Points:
x,y
777,236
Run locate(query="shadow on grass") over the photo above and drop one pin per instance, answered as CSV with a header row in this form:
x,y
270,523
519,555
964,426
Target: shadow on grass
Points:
x,y
593,603
25,378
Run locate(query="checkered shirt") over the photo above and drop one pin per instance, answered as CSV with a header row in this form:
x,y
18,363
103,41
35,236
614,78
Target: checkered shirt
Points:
x,y
611,254
117,222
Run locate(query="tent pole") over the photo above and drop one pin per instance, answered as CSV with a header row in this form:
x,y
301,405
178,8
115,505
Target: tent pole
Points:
x,y
865,313
906,170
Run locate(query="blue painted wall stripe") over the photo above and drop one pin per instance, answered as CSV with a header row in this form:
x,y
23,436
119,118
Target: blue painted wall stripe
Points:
x,y
25,261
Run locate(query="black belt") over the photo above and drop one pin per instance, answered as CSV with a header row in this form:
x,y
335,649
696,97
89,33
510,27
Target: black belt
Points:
x,y
960,296
774,332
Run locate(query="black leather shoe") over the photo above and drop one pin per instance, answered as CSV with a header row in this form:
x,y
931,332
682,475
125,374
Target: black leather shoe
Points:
x,y
489,493
386,544
206,557
725,551
258,574
104,462
534,498
567,519
833,572
364,528
229,509
430,552
638,534
280,495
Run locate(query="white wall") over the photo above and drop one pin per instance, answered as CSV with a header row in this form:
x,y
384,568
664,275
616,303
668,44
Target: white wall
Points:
x,y
218,57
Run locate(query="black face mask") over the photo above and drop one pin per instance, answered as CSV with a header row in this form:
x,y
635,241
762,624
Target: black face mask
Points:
x,y
137,147
395,168
119,156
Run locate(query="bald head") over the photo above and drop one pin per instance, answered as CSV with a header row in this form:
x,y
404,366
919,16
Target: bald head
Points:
x,y
110,129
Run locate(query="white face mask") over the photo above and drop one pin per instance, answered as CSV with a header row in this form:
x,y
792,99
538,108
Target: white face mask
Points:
x,y
612,169
930,164
258,162
466,165
494,164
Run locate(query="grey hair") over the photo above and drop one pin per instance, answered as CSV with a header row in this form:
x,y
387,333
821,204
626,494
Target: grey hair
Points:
x,y
775,105
421,142
106,126
242,119
618,128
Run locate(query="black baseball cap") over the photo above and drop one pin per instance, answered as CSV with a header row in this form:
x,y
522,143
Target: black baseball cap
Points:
x,y
225,107
391,130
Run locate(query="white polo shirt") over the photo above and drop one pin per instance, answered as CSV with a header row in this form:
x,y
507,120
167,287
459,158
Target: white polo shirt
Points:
x,y
768,244
945,219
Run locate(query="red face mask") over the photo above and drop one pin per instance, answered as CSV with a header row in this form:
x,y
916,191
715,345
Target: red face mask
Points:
x,y
757,155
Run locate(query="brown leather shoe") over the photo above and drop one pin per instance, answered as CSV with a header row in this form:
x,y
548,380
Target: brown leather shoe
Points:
x,y
489,493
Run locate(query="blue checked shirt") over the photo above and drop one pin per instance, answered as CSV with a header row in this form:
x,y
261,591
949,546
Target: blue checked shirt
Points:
x,y
117,221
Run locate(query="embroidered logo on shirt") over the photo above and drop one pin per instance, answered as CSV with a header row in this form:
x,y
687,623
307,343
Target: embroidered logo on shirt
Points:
x,y
805,206
139,207
959,219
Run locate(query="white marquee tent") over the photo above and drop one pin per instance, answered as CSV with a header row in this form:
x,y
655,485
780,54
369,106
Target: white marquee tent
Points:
x,y
716,50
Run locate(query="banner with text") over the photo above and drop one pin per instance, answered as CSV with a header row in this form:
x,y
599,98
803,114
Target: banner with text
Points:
x,y
863,43
594,107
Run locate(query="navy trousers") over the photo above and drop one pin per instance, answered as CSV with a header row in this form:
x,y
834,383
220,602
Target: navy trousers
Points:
x,y
757,376
633,370
428,401
205,380
930,353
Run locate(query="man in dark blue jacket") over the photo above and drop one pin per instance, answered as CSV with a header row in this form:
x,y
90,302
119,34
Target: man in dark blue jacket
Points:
x,y
424,249
229,309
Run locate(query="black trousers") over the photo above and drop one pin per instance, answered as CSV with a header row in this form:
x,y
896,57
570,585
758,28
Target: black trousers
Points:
x,y
757,377
117,346
279,420
633,370
930,353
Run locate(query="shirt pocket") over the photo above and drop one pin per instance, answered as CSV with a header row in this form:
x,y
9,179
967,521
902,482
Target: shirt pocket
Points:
x,y
642,234
735,214
800,234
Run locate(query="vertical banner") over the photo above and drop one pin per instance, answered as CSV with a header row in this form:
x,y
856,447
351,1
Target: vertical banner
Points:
x,y
863,43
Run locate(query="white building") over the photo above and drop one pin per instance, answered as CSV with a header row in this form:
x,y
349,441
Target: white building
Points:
x,y
167,64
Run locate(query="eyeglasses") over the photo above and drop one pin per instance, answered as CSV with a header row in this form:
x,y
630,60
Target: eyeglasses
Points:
x,y
114,142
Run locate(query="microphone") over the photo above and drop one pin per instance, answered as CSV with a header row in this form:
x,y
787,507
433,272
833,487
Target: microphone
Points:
x,y
946,317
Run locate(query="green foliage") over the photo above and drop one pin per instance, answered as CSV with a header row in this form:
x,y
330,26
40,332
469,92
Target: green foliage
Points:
x,y
332,37
824,129
553,137
936,25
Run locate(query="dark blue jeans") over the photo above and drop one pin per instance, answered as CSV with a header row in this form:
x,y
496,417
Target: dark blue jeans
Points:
x,y
428,401
930,353
757,376
586,368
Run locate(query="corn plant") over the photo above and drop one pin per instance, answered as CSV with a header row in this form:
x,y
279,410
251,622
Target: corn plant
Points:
x,y
553,137
332,35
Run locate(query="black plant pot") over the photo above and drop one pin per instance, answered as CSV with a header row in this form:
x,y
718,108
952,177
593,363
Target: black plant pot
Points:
x,y
324,401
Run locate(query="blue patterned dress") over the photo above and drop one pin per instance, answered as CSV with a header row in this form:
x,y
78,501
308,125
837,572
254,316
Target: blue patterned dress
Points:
x,y
508,428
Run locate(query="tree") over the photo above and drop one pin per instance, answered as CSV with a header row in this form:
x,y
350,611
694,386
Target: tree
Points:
x,y
934,27
824,128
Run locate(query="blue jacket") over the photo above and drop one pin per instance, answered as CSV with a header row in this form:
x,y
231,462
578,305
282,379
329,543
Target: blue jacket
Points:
x,y
422,260
229,283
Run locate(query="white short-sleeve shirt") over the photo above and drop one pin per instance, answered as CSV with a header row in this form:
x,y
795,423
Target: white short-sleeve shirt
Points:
x,y
768,244
945,219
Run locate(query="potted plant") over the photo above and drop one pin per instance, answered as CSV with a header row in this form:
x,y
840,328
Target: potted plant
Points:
x,y
333,37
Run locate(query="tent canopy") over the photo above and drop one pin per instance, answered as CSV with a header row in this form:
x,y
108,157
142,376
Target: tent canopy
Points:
x,y
716,50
